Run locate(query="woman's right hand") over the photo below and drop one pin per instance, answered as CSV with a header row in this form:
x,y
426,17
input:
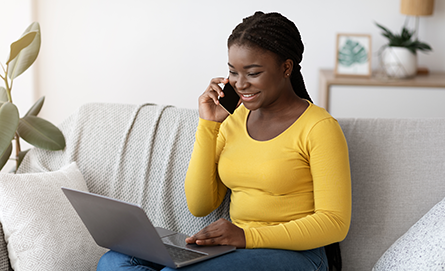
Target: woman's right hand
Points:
x,y
209,108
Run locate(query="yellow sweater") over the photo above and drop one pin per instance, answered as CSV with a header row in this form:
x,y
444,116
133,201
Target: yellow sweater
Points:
x,y
291,192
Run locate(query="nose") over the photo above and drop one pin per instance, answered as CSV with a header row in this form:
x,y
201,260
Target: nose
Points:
x,y
240,83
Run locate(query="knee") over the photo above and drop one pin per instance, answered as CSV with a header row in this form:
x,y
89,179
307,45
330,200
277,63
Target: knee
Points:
x,y
112,261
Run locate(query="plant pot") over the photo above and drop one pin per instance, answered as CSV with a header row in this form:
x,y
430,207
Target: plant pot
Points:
x,y
399,62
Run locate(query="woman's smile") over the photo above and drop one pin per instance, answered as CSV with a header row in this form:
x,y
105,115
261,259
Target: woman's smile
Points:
x,y
247,97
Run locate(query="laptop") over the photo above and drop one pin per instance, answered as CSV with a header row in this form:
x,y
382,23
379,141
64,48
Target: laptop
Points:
x,y
125,228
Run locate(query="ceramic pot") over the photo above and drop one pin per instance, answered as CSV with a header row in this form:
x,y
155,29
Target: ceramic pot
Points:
x,y
399,62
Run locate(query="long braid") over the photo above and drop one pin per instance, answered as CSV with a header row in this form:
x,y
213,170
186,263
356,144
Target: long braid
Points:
x,y
274,32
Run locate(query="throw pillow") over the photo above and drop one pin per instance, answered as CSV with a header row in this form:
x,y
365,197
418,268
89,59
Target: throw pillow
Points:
x,y
41,228
422,247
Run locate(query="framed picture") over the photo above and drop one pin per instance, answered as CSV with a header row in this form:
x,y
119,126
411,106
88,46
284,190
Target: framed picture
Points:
x,y
353,55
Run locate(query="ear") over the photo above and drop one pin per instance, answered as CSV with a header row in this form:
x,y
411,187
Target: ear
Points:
x,y
288,66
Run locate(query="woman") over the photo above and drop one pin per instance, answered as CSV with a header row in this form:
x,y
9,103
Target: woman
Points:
x,y
284,159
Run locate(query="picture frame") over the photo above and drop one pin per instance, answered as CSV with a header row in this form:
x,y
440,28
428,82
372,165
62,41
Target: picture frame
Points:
x,y
353,55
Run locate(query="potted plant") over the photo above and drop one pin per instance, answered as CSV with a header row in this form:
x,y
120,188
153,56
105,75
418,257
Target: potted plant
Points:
x,y
399,56
34,130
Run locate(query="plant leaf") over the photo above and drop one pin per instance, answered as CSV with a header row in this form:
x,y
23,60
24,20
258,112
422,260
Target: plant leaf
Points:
x,y
406,34
9,121
3,95
421,46
5,157
41,133
386,33
21,44
35,109
26,57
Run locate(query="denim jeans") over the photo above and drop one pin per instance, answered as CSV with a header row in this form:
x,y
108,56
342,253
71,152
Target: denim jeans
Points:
x,y
241,259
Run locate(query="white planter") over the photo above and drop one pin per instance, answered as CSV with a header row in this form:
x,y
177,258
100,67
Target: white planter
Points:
x,y
399,62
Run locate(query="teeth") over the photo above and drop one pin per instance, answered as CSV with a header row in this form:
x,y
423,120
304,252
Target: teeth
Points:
x,y
248,95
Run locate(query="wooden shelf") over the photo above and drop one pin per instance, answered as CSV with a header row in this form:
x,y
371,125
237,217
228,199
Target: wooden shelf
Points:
x,y
327,79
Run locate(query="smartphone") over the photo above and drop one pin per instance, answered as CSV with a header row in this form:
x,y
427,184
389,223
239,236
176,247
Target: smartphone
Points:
x,y
230,100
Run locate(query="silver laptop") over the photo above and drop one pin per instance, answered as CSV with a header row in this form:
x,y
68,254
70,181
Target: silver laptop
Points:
x,y
125,228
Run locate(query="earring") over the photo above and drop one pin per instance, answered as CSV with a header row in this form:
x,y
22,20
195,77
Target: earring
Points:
x,y
287,74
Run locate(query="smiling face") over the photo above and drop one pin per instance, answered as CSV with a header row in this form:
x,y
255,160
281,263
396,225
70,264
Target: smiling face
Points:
x,y
259,78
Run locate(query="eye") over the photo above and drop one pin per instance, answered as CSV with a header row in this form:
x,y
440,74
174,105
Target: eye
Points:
x,y
254,74
233,72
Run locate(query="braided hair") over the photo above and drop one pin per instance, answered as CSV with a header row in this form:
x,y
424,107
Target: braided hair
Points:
x,y
275,33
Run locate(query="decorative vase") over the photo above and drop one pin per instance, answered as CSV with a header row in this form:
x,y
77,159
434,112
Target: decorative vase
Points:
x,y
399,62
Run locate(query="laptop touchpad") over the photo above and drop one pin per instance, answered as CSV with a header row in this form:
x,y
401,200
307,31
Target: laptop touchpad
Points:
x,y
177,239
164,232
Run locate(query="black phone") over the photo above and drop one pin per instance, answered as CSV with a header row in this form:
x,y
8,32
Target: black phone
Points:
x,y
230,100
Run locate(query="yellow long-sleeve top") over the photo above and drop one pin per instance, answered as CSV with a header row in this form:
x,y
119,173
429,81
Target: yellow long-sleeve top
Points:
x,y
291,192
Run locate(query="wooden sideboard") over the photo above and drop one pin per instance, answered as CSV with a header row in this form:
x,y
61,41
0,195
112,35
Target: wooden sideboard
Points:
x,y
328,79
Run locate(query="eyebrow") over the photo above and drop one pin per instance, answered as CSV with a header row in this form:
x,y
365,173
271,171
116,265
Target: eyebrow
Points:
x,y
248,66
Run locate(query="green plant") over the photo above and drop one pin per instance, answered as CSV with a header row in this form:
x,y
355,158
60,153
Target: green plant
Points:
x,y
404,39
34,130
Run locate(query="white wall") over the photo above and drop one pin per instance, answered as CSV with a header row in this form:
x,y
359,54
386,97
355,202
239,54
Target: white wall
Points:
x,y
166,52
13,21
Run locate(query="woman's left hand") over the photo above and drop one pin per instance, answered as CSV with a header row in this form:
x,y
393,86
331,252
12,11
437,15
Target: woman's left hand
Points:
x,y
221,232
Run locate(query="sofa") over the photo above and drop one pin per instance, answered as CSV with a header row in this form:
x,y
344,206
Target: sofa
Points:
x,y
140,154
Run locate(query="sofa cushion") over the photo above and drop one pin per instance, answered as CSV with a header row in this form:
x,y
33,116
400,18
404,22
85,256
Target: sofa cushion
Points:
x,y
41,228
422,247
135,153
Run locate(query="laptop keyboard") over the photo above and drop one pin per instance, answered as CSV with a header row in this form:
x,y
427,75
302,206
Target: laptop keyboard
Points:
x,y
182,255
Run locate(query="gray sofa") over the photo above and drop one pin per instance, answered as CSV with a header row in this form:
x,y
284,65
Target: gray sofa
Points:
x,y
140,154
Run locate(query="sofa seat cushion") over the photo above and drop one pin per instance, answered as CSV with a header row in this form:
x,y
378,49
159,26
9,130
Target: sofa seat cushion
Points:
x,y
41,228
422,247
